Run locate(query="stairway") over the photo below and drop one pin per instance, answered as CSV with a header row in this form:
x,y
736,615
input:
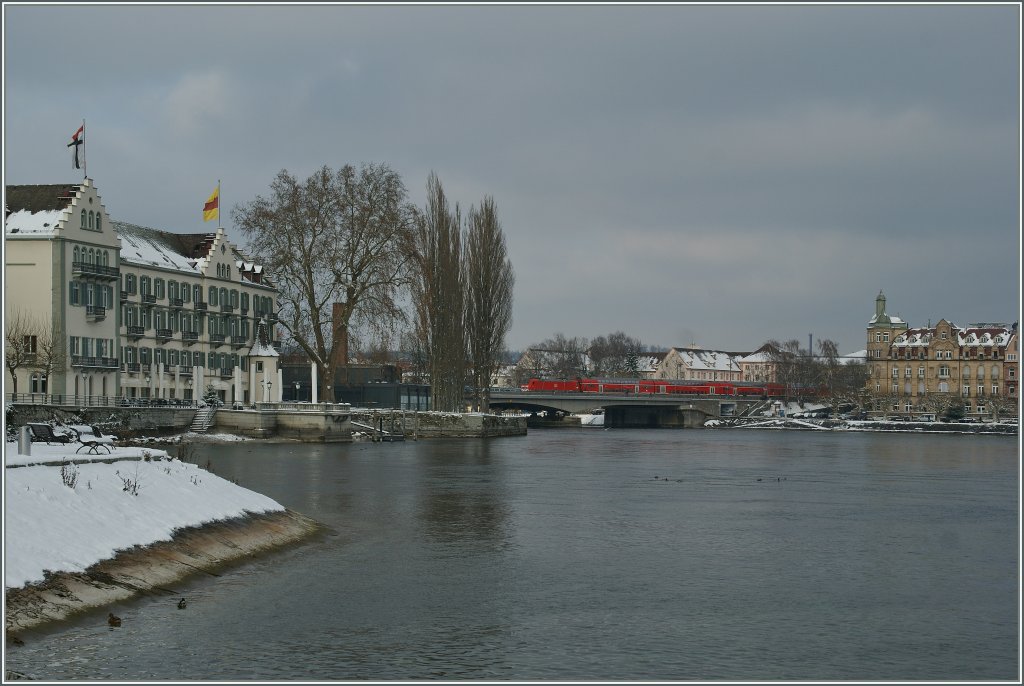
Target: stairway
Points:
x,y
203,420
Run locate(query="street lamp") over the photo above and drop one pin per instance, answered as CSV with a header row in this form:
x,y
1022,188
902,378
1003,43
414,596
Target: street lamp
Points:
x,y
297,391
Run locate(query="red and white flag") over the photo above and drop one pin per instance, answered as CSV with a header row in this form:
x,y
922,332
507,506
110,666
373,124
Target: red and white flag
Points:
x,y
77,141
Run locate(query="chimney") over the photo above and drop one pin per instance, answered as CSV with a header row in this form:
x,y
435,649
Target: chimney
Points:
x,y
340,357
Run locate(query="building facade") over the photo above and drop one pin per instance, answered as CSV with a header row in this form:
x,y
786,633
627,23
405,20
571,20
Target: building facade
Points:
x,y
693,363
919,371
135,314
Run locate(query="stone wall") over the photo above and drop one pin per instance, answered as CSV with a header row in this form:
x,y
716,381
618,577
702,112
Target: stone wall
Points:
x,y
439,424
133,419
286,420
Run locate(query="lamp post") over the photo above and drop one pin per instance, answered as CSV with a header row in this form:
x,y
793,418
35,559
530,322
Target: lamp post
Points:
x,y
149,387
191,395
296,391
266,389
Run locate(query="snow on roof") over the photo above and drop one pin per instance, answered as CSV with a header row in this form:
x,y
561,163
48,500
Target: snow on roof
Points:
x,y
755,357
712,360
41,223
146,248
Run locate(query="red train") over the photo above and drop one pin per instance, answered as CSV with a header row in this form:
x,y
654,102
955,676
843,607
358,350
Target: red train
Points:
x,y
657,386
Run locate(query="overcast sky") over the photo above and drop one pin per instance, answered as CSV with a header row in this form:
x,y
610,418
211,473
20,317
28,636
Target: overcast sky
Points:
x,y
719,175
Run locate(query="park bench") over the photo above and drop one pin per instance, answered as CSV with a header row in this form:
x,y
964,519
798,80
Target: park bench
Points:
x,y
44,432
93,439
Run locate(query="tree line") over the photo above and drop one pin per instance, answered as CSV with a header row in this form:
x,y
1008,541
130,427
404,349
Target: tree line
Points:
x,y
356,263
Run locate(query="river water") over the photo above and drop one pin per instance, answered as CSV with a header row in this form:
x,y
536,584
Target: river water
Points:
x,y
594,554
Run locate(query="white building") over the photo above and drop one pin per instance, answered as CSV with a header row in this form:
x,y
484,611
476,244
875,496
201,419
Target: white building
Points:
x,y
696,364
185,317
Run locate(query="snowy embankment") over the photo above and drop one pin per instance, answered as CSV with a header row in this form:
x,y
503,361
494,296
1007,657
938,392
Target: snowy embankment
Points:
x,y
68,519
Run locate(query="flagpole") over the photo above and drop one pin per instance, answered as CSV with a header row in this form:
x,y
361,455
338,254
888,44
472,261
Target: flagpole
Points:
x,y
219,206
85,160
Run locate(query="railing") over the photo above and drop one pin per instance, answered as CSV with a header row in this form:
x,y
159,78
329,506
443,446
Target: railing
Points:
x,y
102,362
226,372
227,308
189,337
94,400
216,339
164,334
95,312
177,302
201,306
238,341
135,331
133,367
184,370
89,269
124,296
148,299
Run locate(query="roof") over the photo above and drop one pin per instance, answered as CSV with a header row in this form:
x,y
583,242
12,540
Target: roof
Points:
x,y
715,360
39,198
142,245
261,347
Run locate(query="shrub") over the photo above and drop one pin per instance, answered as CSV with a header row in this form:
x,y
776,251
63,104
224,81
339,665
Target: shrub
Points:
x,y
69,474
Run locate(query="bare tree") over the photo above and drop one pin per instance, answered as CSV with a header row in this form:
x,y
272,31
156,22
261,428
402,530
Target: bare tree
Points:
x,y
1000,405
439,297
29,343
21,331
615,355
336,246
489,284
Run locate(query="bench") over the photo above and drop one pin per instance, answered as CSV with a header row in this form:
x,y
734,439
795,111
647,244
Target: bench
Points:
x,y
44,432
92,439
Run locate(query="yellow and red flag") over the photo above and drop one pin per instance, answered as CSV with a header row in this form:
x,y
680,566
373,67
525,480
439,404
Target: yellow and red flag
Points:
x,y
211,210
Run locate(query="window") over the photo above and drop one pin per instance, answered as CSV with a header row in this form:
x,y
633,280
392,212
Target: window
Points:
x,y
885,337
145,285
245,301
84,223
185,293
131,284
1012,357
995,372
943,387
29,343
920,387
943,335
995,389
981,390
158,288
90,220
1011,373
878,337
75,296
213,296
172,290
944,372
895,388
99,222
967,372
197,293
981,372
967,391
234,298
909,372
895,372
920,372
39,383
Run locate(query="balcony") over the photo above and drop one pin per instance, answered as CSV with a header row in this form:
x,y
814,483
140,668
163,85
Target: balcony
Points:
x,y
189,337
238,341
184,370
227,309
216,339
97,271
243,310
95,313
136,331
226,372
148,299
163,334
95,362
124,296
133,367
177,302
201,307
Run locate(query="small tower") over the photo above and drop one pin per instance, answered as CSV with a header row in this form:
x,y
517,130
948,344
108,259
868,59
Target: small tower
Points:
x,y
263,378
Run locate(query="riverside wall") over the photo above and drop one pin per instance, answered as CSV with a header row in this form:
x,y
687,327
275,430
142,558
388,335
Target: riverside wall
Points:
x,y
154,569
417,425
135,419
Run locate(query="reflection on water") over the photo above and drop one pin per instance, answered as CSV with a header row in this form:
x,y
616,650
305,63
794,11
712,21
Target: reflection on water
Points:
x,y
597,555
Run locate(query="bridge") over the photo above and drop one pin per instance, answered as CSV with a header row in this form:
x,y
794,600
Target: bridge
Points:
x,y
646,410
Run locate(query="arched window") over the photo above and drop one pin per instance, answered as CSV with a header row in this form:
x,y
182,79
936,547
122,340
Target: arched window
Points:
x,y
99,223
981,373
995,372
91,259
75,253
84,224
967,372
158,288
197,293
234,298
213,296
90,220
185,292
224,297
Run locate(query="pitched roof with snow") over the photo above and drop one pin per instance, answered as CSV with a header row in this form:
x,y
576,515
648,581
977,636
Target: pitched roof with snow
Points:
x,y
36,209
152,247
710,360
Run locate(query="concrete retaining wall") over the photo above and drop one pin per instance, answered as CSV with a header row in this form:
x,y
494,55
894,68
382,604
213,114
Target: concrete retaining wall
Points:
x,y
282,420
156,419
441,424
153,569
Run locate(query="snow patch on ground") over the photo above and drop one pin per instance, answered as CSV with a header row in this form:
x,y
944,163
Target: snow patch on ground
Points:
x,y
52,527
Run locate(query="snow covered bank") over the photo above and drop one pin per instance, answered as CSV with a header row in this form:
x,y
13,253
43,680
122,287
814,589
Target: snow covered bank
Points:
x,y
66,520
